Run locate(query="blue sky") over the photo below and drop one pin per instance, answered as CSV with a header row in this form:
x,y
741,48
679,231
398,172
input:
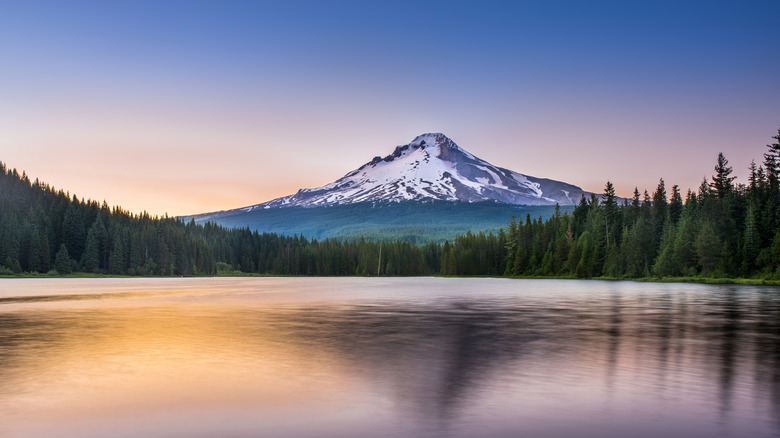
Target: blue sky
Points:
x,y
184,107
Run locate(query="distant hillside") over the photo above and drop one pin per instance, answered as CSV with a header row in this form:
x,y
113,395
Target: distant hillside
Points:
x,y
433,221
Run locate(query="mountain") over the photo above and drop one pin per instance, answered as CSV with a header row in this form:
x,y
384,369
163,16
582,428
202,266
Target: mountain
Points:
x,y
432,167
428,190
417,222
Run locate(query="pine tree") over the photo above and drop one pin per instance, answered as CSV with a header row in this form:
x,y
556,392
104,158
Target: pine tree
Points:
x,y
449,263
73,229
63,262
704,190
13,264
675,205
666,264
709,249
117,257
722,183
751,241
635,204
579,216
611,213
646,208
772,156
45,253
511,248
660,214
10,243
753,179
583,256
684,250
90,259
34,251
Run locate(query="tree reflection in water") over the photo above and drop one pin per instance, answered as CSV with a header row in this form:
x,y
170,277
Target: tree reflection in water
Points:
x,y
491,358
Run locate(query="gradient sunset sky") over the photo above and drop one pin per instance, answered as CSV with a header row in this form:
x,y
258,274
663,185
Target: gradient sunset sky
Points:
x,y
187,107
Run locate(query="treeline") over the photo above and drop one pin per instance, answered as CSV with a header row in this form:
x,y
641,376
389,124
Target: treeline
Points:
x,y
48,231
722,230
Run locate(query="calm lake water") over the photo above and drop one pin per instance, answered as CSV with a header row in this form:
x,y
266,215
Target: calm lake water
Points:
x,y
368,357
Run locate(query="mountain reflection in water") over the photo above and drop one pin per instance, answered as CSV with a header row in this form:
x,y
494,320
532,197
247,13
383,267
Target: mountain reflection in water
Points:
x,y
387,357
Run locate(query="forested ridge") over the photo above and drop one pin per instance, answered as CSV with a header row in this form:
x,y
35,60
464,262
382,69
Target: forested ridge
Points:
x,y
415,221
44,230
723,229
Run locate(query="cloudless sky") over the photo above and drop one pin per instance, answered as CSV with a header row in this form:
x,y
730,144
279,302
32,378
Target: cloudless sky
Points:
x,y
193,106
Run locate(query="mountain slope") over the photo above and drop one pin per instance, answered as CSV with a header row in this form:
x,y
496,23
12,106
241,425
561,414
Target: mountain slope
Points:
x,y
428,190
418,222
432,167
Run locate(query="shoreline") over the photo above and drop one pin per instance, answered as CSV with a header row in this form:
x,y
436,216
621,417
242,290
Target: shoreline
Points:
x,y
681,280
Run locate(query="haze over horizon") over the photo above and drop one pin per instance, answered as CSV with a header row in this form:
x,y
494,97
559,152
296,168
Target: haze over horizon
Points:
x,y
189,107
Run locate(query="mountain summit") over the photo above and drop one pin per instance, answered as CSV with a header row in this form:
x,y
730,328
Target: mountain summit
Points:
x,y
432,167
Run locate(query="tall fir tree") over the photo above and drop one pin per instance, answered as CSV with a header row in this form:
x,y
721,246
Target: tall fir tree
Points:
x,y
675,205
722,181
612,215
63,263
73,229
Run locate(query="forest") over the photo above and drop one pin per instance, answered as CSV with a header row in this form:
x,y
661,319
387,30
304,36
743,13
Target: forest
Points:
x,y
724,229
47,231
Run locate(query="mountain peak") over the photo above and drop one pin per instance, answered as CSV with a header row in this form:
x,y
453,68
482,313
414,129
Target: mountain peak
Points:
x,y
434,138
432,167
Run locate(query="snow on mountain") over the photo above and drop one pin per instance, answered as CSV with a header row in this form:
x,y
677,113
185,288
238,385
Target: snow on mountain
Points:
x,y
432,167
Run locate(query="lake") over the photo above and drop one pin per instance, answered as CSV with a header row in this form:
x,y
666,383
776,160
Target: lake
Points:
x,y
387,357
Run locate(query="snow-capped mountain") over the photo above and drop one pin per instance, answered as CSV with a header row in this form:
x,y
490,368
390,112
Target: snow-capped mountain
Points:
x,y
432,167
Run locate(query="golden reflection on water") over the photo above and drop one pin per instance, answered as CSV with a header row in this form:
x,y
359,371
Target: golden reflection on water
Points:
x,y
402,357
138,360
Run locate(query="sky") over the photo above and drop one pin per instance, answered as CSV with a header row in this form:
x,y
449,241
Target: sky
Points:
x,y
184,107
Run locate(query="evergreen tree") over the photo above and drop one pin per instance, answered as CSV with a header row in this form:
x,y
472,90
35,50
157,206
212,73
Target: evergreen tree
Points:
x,y
684,249
704,190
511,247
754,178
73,229
10,244
752,243
772,156
635,204
660,214
117,265
449,263
709,249
34,252
722,181
611,213
45,253
667,264
63,262
90,259
636,247
675,205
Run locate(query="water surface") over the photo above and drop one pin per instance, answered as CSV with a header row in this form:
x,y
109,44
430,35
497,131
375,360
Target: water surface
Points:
x,y
357,357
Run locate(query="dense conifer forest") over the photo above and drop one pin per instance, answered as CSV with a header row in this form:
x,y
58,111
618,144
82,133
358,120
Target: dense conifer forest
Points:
x,y
724,229
43,230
